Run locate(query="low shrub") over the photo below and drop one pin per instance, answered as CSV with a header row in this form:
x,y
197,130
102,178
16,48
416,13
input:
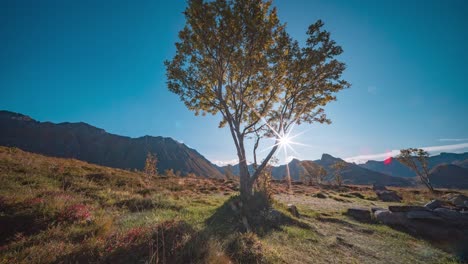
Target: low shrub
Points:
x,y
246,248
75,213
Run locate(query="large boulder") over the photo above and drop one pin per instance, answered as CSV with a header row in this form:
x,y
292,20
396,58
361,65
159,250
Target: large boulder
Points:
x,y
422,215
360,214
447,228
388,196
407,208
448,214
457,199
433,204
375,209
389,218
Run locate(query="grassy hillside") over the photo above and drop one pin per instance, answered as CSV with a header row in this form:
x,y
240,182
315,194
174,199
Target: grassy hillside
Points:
x,y
66,211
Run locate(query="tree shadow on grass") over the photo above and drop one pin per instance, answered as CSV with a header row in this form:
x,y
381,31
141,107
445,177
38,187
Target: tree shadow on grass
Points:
x,y
236,223
257,216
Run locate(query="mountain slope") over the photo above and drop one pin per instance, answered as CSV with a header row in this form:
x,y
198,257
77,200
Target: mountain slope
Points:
x,y
85,142
449,176
395,168
356,174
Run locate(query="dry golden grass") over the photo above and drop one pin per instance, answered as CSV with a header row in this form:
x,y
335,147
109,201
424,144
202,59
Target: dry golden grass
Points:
x,y
65,211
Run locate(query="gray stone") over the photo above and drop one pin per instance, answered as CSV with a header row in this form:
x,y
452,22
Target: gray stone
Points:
x,y
406,208
433,204
360,214
459,200
378,187
320,195
447,213
427,224
374,209
422,215
388,218
293,210
388,196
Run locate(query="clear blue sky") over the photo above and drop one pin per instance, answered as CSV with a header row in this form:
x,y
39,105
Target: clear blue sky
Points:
x,y
101,62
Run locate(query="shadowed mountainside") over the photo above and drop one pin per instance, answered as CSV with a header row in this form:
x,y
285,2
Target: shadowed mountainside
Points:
x,y
85,142
394,168
355,174
449,176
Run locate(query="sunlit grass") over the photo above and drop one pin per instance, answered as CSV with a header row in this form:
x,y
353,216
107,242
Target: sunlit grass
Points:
x,y
127,209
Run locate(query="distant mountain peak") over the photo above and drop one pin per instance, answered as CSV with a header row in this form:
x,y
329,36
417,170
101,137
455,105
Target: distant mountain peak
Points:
x,y
328,157
14,116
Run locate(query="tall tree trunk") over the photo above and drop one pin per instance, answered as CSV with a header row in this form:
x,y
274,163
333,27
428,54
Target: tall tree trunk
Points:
x,y
246,187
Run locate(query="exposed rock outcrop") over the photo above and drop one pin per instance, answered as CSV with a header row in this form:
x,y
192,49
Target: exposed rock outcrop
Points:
x,y
443,225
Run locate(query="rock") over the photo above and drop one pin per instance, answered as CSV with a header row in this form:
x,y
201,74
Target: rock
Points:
x,y
433,204
406,208
388,196
320,195
360,214
375,209
378,187
293,210
432,225
422,215
458,200
392,219
357,194
447,213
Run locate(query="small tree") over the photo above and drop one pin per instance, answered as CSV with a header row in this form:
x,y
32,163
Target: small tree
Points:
x,y
150,164
264,183
264,180
312,172
416,160
337,168
169,173
235,59
228,172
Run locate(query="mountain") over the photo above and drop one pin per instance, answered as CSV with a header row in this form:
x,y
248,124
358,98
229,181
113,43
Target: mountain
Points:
x,y
462,163
295,168
355,174
88,143
352,174
277,172
394,168
449,176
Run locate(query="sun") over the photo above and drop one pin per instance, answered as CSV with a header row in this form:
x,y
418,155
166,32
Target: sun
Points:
x,y
284,141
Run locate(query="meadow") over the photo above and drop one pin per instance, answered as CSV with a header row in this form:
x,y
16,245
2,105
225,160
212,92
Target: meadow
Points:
x,y
55,210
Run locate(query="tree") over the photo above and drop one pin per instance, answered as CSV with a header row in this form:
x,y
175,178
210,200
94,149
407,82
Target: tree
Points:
x,y
416,160
169,173
312,172
337,168
150,164
228,172
234,58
